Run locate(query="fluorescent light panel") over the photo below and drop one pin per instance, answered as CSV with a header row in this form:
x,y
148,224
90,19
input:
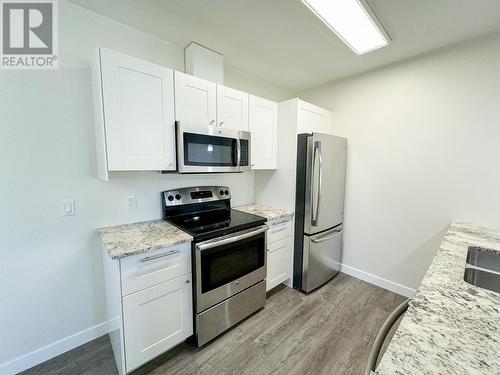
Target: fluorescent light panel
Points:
x,y
350,20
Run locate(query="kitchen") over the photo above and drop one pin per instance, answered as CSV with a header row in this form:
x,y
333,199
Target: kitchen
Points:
x,y
419,116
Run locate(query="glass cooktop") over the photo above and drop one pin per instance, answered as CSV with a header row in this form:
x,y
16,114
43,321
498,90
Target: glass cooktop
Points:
x,y
210,224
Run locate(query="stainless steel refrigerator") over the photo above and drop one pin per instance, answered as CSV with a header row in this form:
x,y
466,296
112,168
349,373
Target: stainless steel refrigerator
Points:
x,y
319,209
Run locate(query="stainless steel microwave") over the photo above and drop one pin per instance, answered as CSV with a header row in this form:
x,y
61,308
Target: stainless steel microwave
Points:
x,y
212,149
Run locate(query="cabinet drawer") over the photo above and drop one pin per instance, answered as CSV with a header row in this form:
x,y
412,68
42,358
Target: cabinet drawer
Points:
x,y
278,262
279,231
141,271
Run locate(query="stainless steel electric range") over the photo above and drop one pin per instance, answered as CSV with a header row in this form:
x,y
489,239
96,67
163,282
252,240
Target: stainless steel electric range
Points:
x,y
228,254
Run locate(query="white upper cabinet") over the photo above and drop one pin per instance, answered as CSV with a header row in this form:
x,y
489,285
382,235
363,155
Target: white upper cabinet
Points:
x,y
313,119
138,102
138,113
263,124
232,108
200,103
195,100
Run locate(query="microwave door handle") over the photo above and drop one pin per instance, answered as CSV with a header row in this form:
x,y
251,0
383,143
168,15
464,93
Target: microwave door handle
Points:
x,y
238,153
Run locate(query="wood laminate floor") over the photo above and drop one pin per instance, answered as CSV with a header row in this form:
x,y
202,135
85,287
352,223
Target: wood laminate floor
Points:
x,y
329,331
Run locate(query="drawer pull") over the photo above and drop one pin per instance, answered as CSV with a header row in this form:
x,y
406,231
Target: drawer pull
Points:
x,y
278,230
153,257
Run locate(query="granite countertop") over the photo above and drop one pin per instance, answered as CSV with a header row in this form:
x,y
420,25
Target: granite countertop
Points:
x,y
451,327
137,238
268,212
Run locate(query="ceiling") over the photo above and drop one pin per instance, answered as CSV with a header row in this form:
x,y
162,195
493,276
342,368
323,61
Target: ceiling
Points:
x,y
282,42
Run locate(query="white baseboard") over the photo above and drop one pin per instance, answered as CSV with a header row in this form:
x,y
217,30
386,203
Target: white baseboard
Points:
x,y
378,281
52,350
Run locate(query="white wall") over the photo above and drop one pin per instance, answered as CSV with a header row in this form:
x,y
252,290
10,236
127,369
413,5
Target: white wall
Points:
x,y
51,281
236,78
424,141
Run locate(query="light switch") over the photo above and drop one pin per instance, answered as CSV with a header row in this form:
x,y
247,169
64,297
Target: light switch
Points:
x,y
132,202
67,207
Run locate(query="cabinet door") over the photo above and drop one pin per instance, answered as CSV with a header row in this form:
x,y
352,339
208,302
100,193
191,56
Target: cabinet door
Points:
x,y
195,101
313,119
156,319
232,108
138,106
278,262
263,124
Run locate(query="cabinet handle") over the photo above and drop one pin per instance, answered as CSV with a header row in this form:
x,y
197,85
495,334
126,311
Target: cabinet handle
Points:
x,y
278,230
221,123
153,257
212,123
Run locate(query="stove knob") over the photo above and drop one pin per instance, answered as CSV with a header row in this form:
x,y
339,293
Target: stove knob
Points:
x,y
178,197
226,192
170,198
221,192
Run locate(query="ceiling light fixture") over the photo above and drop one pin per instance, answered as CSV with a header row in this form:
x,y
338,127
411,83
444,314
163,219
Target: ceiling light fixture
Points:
x,y
353,21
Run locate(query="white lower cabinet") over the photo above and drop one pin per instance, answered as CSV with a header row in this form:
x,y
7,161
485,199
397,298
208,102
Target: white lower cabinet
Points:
x,y
279,254
156,319
278,260
149,303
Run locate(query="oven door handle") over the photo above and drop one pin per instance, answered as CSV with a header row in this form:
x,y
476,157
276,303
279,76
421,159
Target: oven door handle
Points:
x,y
211,244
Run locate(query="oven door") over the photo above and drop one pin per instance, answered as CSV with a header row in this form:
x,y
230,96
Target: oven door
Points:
x,y
213,149
228,265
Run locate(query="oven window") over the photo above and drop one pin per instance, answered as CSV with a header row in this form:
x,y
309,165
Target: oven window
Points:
x,y
208,150
230,262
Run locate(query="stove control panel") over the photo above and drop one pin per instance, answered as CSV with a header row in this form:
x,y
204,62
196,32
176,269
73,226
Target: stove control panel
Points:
x,y
199,194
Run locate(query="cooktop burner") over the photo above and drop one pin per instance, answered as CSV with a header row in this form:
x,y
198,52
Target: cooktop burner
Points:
x,y
205,212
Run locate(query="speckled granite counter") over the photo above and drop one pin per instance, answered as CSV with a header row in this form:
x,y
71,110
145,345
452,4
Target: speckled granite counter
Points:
x,y
137,238
271,214
451,327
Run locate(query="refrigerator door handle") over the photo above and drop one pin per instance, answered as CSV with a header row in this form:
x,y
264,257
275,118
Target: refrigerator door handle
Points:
x,y
317,151
326,238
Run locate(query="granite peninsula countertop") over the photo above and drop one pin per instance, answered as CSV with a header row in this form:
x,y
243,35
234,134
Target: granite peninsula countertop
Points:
x,y
451,327
137,238
269,213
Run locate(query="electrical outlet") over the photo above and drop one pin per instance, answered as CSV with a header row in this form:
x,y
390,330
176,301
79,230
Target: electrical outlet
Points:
x,y
132,202
67,207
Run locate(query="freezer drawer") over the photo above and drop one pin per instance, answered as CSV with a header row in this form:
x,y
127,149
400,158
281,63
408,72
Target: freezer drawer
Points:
x,y
321,258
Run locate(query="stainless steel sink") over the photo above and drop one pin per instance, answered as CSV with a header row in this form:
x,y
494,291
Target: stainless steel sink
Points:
x,y
483,279
483,258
